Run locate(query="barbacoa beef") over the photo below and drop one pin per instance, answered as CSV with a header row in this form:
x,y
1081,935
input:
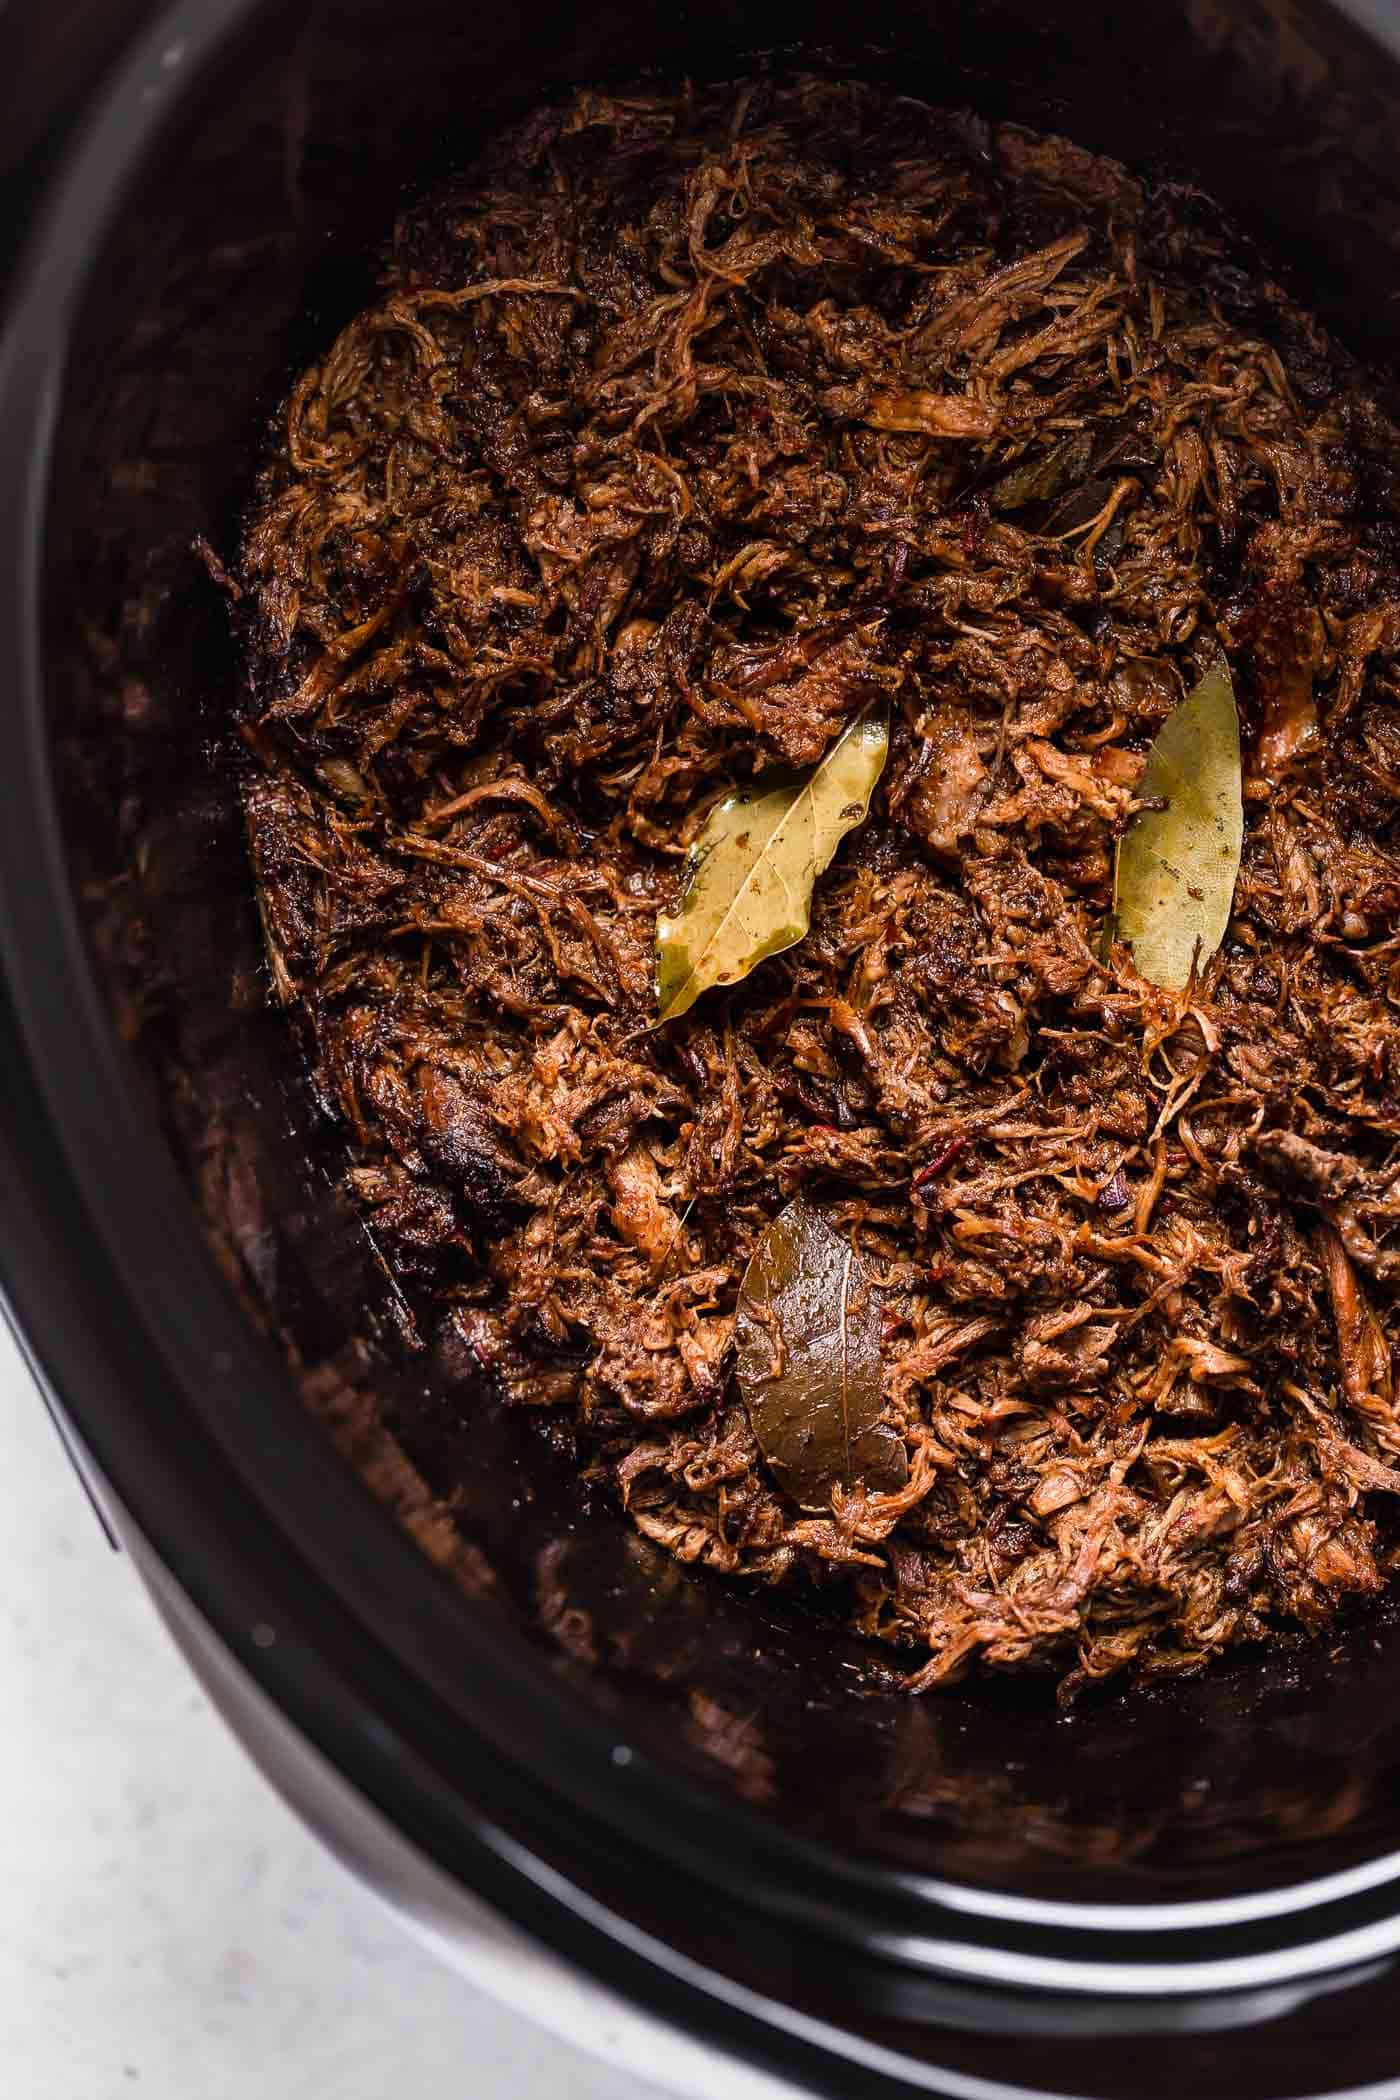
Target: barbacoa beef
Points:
x,y
686,424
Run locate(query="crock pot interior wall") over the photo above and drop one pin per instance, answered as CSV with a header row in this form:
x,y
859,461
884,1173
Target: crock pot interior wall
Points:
x,y
247,242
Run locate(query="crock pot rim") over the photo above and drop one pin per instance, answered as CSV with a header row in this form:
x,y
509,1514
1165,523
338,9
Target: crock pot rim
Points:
x,y
136,1206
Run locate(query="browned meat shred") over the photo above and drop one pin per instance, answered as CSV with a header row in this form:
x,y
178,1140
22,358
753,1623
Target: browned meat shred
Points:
x,y
680,431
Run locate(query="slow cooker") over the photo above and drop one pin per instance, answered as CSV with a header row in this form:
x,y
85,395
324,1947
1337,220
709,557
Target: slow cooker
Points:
x,y
483,1690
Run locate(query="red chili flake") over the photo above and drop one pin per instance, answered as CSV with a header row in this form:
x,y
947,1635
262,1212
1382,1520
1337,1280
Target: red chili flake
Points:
x,y
899,562
943,1159
1114,1194
975,526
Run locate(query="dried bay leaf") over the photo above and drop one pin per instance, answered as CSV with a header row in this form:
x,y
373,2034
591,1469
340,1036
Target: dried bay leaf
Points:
x,y
1076,508
1046,475
748,892
1175,878
807,1342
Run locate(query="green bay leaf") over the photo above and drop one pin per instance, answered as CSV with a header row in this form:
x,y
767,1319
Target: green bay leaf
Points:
x,y
1174,883
748,891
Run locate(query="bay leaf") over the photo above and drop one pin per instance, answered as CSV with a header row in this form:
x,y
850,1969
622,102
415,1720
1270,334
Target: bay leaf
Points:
x,y
1174,883
748,890
807,1342
1076,508
1046,475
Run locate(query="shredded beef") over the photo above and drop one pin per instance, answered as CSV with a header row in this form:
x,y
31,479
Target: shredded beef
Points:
x,y
681,430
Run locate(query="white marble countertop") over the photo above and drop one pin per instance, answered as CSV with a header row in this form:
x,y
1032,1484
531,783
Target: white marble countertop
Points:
x,y
167,1928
